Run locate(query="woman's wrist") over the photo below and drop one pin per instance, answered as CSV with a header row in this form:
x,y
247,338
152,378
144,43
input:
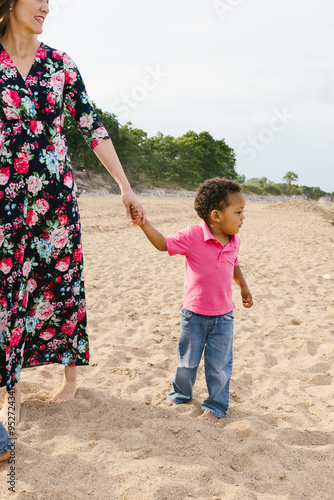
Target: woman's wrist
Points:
x,y
125,187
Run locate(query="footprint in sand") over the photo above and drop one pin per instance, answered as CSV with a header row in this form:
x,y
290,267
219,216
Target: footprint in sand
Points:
x,y
305,438
312,348
270,361
320,368
324,379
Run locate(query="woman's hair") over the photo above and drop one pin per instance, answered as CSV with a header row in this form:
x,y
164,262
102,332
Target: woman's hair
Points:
x,y
213,195
5,6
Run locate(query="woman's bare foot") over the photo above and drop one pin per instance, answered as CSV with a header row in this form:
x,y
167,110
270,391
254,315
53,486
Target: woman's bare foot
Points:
x,y
5,456
209,417
10,413
68,388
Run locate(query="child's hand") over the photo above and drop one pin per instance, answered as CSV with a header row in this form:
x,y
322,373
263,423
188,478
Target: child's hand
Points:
x,y
247,299
136,215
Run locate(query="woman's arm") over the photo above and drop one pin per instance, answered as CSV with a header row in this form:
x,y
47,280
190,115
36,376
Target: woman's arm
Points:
x,y
95,134
107,155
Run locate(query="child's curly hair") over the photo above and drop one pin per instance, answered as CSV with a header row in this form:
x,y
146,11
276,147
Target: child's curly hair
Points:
x,y
213,195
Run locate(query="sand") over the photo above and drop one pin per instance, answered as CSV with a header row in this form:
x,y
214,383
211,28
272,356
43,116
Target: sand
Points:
x,y
118,440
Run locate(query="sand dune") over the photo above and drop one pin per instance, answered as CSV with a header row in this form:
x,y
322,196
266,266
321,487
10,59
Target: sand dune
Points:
x,y
117,439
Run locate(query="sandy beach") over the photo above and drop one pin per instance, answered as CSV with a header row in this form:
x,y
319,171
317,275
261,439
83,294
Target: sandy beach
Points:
x,y
117,440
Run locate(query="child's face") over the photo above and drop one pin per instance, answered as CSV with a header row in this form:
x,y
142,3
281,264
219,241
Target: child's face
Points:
x,y
230,220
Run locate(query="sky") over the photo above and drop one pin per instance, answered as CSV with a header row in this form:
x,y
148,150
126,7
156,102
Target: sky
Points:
x,y
257,73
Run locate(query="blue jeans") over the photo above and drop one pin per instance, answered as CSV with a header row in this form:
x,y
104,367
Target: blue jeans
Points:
x,y
5,443
215,335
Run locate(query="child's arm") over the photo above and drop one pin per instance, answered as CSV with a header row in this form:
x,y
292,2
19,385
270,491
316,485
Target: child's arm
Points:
x,y
238,277
157,239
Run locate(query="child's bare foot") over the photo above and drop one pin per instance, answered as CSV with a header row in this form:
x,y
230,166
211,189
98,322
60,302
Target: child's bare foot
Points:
x,y
5,456
68,388
168,402
10,413
209,417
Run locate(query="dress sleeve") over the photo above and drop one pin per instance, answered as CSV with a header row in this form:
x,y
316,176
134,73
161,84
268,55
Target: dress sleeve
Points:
x,y
80,107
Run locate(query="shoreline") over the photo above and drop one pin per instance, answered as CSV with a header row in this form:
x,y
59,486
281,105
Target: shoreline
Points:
x,y
92,184
323,206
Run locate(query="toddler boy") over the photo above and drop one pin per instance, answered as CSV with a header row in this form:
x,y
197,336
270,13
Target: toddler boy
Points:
x,y
211,264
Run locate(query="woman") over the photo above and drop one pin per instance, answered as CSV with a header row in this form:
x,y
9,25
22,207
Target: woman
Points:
x,y
42,302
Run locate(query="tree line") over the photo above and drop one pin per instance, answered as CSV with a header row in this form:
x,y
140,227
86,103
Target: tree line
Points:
x,y
288,187
182,162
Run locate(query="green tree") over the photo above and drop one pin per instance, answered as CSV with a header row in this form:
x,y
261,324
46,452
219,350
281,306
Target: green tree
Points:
x,y
186,169
131,151
272,189
183,161
290,177
162,152
264,182
240,178
216,157
199,157
312,192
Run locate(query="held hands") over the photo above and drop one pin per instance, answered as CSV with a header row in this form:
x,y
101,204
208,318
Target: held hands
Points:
x,y
136,216
131,203
247,300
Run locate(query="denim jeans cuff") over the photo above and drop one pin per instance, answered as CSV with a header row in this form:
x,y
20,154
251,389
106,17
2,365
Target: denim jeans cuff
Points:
x,y
212,412
177,400
7,448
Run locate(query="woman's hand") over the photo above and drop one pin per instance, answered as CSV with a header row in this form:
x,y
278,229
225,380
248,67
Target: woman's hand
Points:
x,y
129,200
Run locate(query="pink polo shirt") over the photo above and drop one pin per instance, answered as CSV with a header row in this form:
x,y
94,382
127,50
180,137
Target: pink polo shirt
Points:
x,y
209,269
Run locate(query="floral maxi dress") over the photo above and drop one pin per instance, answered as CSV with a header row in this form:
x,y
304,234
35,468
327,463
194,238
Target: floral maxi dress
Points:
x,y
42,301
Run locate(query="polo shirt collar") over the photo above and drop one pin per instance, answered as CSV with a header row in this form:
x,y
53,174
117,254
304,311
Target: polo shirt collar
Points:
x,y
206,231
207,235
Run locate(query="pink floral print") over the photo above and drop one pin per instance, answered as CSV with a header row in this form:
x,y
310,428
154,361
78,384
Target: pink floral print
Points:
x,y
42,299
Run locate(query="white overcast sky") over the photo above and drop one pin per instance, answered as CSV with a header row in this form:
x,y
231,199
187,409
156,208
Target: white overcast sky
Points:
x,y
257,73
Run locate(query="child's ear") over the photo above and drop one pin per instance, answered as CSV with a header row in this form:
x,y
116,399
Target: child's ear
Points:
x,y
215,216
